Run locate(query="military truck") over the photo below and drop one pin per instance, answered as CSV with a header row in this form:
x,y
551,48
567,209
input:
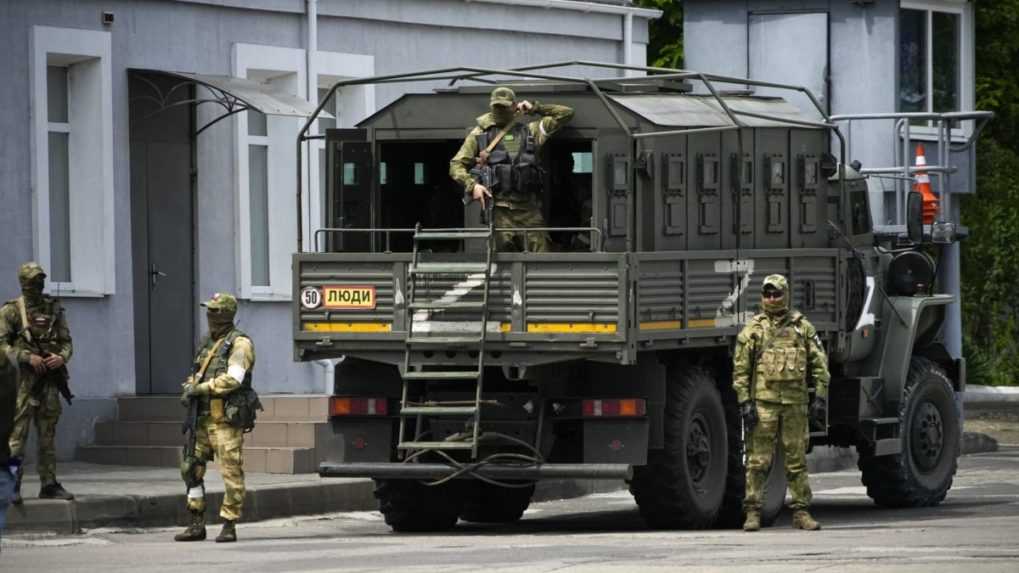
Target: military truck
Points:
x,y
468,375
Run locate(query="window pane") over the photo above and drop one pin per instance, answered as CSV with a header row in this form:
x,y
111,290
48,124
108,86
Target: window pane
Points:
x,y
419,173
945,47
326,123
60,221
258,185
912,60
383,174
582,162
256,123
349,174
56,94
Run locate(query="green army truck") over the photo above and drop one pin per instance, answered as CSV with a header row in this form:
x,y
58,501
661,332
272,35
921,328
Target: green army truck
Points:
x,y
469,374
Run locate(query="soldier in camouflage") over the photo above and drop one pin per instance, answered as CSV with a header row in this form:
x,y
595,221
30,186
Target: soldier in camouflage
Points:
x,y
224,362
774,354
516,173
34,332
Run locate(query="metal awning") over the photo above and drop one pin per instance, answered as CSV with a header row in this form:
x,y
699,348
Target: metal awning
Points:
x,y
233,95
683,111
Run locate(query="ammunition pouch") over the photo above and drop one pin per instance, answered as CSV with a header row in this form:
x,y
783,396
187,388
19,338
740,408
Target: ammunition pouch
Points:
x,y
240,408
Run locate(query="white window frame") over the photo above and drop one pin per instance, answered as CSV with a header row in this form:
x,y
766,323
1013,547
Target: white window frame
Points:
x,y
255,61
92,223
351,105
967,96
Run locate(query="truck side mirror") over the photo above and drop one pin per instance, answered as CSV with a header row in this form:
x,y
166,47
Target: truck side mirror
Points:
x,y
914,217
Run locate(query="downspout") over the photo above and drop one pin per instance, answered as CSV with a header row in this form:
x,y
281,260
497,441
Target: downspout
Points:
x,y
628,42
329,374
311,77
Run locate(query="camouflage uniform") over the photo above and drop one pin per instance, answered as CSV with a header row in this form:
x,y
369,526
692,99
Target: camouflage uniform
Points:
x,y
774,354
47,334
513,209
215,438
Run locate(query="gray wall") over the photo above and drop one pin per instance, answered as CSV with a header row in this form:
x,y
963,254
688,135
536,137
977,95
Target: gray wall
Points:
x,y
197,36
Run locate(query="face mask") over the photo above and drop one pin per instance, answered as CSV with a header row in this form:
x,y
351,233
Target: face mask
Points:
x,y
32,288
774,306
502,114
220,323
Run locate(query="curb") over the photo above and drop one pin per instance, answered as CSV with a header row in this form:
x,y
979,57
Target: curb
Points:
x,y
975,443
991,395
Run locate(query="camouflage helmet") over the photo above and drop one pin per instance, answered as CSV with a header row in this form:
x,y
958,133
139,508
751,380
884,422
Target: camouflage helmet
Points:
x,y
777,282
29,271
222,302
502,96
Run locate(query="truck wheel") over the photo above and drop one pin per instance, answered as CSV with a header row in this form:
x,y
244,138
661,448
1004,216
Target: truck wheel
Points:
x,y
731,515
409,505
922,473
774,497
683,485
487,503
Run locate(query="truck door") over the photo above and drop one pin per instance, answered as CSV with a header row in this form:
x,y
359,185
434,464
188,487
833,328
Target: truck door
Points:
x,y
348,189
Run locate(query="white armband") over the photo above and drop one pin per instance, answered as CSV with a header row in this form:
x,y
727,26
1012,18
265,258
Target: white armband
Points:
x,y
237,372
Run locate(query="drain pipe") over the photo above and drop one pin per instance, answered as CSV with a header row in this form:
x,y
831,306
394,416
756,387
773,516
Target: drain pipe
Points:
x,y
329,375
311,81
628,43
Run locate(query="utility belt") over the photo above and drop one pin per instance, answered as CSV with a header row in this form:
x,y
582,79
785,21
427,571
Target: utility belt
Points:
x,y
213,408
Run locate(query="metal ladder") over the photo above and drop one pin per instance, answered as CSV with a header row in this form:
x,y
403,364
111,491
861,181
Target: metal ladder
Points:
x,y
415,342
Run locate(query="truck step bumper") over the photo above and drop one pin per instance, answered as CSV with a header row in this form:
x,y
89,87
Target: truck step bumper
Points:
x,y
499,472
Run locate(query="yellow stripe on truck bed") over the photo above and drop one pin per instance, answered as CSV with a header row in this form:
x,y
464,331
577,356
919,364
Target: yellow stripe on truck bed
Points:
x,y
571,327
347,327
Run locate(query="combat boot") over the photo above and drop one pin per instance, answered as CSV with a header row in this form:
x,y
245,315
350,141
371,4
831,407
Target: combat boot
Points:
x,y
803,520
16,498
229,532
195,531
54,491
753,522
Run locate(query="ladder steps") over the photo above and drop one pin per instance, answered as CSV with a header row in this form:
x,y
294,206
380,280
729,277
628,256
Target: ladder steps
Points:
x,y
452,375
437,305
435,445
438,410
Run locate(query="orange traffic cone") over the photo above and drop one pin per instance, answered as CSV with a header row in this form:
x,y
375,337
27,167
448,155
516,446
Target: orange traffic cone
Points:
x,y
922,185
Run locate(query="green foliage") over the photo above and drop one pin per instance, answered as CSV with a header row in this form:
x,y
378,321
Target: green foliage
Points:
x,y
990,256
665,49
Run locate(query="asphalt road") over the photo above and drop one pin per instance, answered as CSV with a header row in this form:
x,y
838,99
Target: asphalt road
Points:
x,y
976,529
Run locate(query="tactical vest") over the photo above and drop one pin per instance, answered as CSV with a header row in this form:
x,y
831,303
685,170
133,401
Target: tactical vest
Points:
x,y
781,364
41,321
220,363
513,175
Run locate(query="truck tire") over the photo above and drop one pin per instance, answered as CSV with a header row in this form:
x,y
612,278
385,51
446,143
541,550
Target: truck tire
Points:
x,y
921,475
682,486
487,503
411,506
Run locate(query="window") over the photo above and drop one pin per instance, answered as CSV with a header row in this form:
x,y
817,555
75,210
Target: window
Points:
x,y
72,156
935,71
582,162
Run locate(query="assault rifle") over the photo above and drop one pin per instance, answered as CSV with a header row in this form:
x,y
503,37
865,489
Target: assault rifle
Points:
x,y
190,429
58,378
482,173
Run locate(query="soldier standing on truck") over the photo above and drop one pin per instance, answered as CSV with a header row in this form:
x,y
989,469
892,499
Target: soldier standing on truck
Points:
x,y
221,368
33,330
775,352
504,151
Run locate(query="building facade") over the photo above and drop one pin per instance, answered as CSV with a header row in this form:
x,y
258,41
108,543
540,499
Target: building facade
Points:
x,y
142,194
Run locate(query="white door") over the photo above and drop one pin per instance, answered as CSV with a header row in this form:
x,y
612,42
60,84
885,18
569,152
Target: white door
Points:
x,y
790,49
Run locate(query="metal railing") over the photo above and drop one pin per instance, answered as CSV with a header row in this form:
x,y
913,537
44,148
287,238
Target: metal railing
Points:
x,y
656,74
902,140
596,237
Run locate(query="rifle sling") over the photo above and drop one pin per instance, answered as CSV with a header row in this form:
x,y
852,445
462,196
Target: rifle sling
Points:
x,y
483,156
208,358
23,311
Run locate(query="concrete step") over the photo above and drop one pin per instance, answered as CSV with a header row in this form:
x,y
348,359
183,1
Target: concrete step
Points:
x,y
281,460
300,408
164,433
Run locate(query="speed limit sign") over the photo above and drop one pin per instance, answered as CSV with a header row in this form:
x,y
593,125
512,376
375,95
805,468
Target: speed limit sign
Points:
x,y
311,298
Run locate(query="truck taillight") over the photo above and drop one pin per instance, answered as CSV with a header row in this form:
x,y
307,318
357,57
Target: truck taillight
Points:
x,y
350,406
627,407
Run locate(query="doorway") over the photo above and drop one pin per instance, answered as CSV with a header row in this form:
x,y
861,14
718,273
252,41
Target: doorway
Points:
x,y
162,230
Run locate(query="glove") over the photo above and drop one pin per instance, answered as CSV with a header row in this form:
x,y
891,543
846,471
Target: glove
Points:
x,y
191,391
748,411
818,411
14,466
185,395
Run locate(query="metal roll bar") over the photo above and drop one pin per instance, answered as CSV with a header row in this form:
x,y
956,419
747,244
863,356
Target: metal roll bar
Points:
x,y
487,75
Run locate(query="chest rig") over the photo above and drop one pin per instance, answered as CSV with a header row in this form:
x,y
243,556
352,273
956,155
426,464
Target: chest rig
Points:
x,y
218,365
513,173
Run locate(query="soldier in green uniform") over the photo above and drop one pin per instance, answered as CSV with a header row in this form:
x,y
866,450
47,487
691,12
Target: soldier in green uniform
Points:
x,y
510,148
223,365
774,354
34,331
